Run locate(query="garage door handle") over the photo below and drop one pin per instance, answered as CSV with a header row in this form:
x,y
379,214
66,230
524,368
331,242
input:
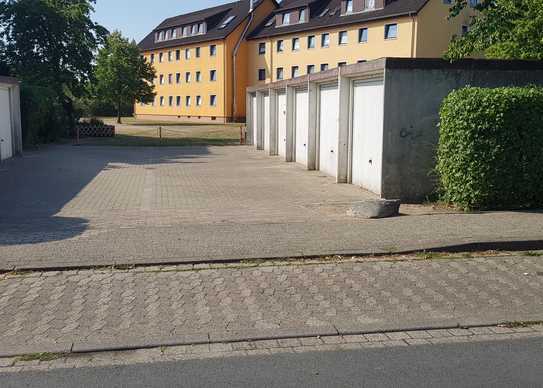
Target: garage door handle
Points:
x,y
332,151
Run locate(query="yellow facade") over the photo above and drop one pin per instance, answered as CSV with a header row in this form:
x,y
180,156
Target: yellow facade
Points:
x,y
424,35
201,91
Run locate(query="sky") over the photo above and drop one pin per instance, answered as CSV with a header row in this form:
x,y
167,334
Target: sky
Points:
x,y
136,18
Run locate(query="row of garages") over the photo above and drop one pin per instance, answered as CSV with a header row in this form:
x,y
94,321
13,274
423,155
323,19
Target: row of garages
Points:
x,y
10,119
373,124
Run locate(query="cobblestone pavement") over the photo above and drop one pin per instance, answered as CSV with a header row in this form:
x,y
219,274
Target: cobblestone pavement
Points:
x,y
83,206
111,309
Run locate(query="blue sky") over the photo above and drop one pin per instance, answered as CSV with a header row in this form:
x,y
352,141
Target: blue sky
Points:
x,y
136,18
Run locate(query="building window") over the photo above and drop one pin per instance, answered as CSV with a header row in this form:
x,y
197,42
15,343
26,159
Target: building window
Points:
x,y
341,64
198,100
295,44
212,50
391,31
465,29
280,73
286,18
187,77
161,35
194,29
160,57
343,38
161,79
198,76
280,46
362,35
177,55
186,31
325,40
174,33
349,6
310,69
178,101
201,28
311,41
161,101
302,15
197,52
177,78
187,53
167,35
170,78
262,48
152,58
213,100
170,101
261,74
187,101
213,75
169,56
295,71
324,66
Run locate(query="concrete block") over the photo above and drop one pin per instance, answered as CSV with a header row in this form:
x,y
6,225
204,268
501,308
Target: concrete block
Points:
x,y
379,208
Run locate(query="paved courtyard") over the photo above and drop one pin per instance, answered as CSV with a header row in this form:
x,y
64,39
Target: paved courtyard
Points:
x,y
66,206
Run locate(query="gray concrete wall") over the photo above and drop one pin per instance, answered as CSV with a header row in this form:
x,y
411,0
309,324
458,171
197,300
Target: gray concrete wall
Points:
x,y
413,97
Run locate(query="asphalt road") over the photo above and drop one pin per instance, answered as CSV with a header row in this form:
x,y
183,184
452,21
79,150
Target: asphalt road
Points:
x,y
493,364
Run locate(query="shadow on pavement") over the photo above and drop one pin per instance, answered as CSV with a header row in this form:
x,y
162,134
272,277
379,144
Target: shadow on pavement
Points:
x,y
36,187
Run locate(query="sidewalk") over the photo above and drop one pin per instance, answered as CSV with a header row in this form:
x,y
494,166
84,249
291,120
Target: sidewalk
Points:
x,y
93,310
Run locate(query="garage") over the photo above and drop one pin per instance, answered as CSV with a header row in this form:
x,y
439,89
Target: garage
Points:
x,y
328,129
367,144
301,126
6,147
266,132
254,120
282,124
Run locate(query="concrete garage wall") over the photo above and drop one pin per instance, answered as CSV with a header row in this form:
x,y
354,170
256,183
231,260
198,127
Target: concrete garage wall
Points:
x,y
396,134
414,91
10,121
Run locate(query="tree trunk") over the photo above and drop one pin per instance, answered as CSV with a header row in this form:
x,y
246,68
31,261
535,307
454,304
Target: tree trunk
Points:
x,y
119,112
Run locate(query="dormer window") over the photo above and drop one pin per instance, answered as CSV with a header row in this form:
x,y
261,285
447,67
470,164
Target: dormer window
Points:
x,y
194,29
168,35
174,33
186,31
161,36
349,6
302,15
286,18
201,29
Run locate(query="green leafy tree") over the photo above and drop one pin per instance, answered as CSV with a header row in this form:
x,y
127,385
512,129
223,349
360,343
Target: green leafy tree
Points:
x,y
50,44
501,29
123,76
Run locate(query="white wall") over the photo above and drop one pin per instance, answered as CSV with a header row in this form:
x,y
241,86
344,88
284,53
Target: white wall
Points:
x,y
6,135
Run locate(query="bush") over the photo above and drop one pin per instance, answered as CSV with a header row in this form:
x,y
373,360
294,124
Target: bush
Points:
x,y
490,153
44,118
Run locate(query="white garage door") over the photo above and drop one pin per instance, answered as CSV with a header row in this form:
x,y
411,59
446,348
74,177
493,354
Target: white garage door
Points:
x,y
282,124
302,124
267,123
255,120
368,108
328,129
5,125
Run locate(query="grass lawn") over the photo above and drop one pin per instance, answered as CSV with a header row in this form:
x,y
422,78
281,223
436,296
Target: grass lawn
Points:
x,y
136,133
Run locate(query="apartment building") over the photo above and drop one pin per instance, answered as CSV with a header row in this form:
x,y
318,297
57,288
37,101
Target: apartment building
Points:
x,y
201,62
205,60
308,36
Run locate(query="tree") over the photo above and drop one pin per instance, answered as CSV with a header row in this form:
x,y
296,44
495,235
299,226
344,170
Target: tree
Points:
x,y
50,44
123,76
501,29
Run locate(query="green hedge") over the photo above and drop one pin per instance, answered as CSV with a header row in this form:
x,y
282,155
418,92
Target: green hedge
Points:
x,y
490,153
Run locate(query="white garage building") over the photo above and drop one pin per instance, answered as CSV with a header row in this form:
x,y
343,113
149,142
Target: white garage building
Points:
x,y
372,124
10,118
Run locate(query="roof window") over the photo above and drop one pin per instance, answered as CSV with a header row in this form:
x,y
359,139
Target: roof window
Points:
x,y
227,22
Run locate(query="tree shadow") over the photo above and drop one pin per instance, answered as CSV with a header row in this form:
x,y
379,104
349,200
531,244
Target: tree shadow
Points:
x,y
36,187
